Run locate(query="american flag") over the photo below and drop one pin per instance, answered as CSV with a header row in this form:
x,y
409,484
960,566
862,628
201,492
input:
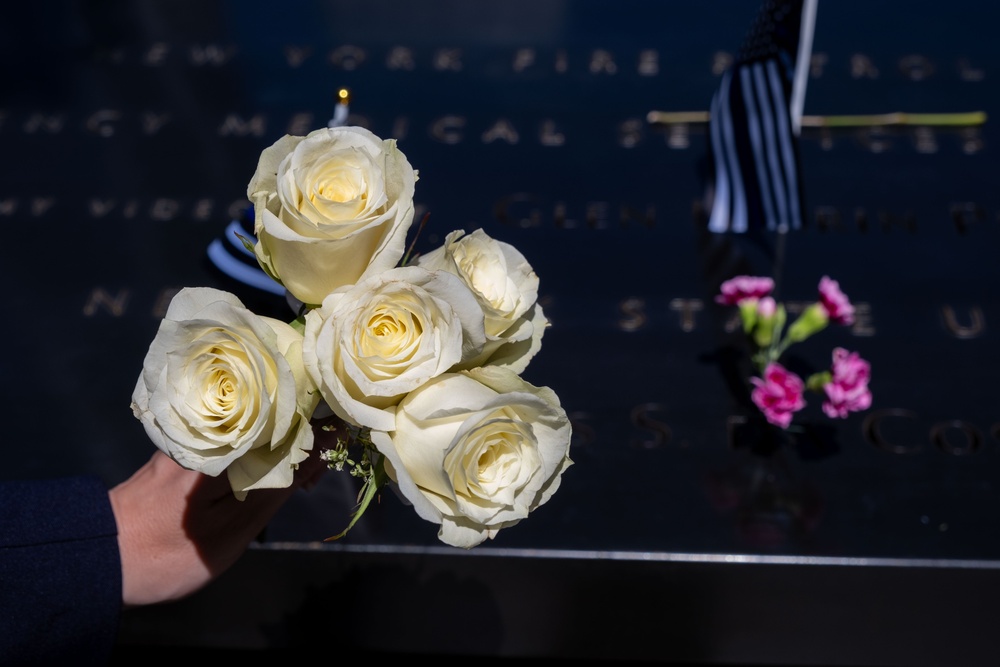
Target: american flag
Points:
x,y
754,123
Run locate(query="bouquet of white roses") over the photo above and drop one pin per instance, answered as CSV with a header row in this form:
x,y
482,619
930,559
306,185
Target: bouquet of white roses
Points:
x,y
419,358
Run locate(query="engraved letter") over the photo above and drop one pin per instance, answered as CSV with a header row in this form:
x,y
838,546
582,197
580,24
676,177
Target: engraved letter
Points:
x,y
649,62
164,209
447,129
973,438
36,121
99,208
400,127
733,323
816,64
968,72
502,129
156,54
100,122
640,418
560,218
347,57
602,61
630,133
862,320
687,308
235,210
678,136
916,67
523,59
862,67
721,61
861,219
887,220
296,55
448,59
99,298
874,139
635,318
562,62
966,214
40,205
972,140
163,301
826,139
151,122
596,215
400,57
872,429
583,433
626,213
924,140
501,212
549,135
975,328
234,125
202,209
212,54
828,217
301,124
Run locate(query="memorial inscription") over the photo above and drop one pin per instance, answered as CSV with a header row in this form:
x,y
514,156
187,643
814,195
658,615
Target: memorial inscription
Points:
x,y
545,141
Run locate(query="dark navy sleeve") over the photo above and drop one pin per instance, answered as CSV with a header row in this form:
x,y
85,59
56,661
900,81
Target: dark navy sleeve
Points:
x,y
60,572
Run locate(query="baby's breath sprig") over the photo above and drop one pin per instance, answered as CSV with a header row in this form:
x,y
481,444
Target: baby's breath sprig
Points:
x,y
368,467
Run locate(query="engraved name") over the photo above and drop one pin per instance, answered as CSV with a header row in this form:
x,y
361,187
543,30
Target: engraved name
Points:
x,y
596,60
453,128
893,430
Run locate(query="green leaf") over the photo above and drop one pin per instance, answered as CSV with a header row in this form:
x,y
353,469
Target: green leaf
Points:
x,y
812,320
817,381
247,243
369,490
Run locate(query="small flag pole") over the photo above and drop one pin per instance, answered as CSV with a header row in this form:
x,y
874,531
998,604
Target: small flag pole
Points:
x,y
802,64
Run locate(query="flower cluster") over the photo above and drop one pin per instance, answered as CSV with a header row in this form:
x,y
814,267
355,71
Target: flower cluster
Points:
x,y
419,358
778,392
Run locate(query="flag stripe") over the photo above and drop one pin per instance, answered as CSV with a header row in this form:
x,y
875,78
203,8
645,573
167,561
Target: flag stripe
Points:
x,y
754,122
786,141
752,131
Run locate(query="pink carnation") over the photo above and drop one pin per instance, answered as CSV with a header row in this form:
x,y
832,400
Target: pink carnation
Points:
x,y
766,308
847,390
738,289
838,307
778,394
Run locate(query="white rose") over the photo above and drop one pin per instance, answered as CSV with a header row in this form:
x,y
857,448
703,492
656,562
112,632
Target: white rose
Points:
x,y
476,451
223,389
370,344
507,289
330,207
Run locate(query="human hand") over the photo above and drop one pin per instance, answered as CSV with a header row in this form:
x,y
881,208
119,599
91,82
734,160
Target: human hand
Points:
x,y
179,529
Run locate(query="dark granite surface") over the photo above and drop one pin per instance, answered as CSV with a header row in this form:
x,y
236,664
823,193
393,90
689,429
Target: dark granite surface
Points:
x,y
130,130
